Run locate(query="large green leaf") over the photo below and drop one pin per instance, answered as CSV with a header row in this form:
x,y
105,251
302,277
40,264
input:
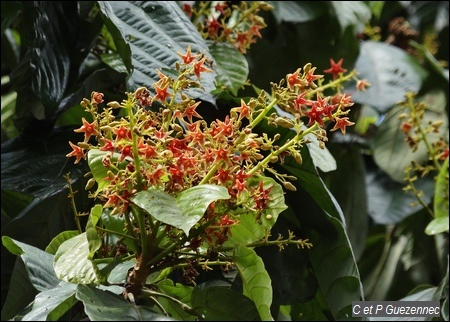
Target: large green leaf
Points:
x,y
72,263
51,304
391,152
105,306
348,187
182,211
297,11
148,35
37,262
388,203
92,236
59,239
390,71
355,14
249,230
220,303
255,280
232,66
42,75
440,205
180,292
20,290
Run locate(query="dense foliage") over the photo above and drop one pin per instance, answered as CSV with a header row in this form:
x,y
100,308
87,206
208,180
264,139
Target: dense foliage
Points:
x,y
222,160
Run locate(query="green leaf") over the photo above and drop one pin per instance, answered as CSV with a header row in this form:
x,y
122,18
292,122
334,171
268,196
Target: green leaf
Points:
x,y
437,226
183,211
99,171
106,306
51,304
297,11
59,239
149,34
249,229
72,264
391,152
92,236
37,262
20,290
388,203
356,14
440,203
232,66
218,303
255,280
42,76
390,71
180,292
349,188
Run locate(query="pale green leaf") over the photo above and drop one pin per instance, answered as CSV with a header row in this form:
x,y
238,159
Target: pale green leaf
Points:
x,y
92,236
105,306
390,71
437,226
232,66
37,263
440,204
255,280
51,304
352,13
182,211
72,264
59,239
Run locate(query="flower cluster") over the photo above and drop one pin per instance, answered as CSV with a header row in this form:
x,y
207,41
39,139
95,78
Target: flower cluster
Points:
x,y
158,140
418,131
238,24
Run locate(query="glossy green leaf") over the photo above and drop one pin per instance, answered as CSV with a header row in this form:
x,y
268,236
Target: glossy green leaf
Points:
x,y
182,211
106,306
440,202
391,152
180,292
42,75
20,290
437,226
355,14
92,236
390,71
59,239
388,203
37,262
220,303
255,280
297,11
232,66
149,35
72,264
52,304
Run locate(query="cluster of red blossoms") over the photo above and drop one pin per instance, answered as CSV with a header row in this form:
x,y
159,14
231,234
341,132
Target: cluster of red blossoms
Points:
x,y
172,148
238,24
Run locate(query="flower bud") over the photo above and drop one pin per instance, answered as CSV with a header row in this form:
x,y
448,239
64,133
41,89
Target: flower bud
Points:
x,y
289,186
283,122
273,158
298,157
90,184
113,104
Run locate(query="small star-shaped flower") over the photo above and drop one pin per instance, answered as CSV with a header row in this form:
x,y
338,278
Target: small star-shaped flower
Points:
x,y
335,68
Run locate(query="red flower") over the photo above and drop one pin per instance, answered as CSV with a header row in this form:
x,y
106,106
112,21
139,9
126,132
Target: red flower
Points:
x,y
97,97
88,129
336,68
77,152
108,146
342,123
293,79
187,58
189,112
213,27
161,93
244,110
299,101
122,133
362,84
199,68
